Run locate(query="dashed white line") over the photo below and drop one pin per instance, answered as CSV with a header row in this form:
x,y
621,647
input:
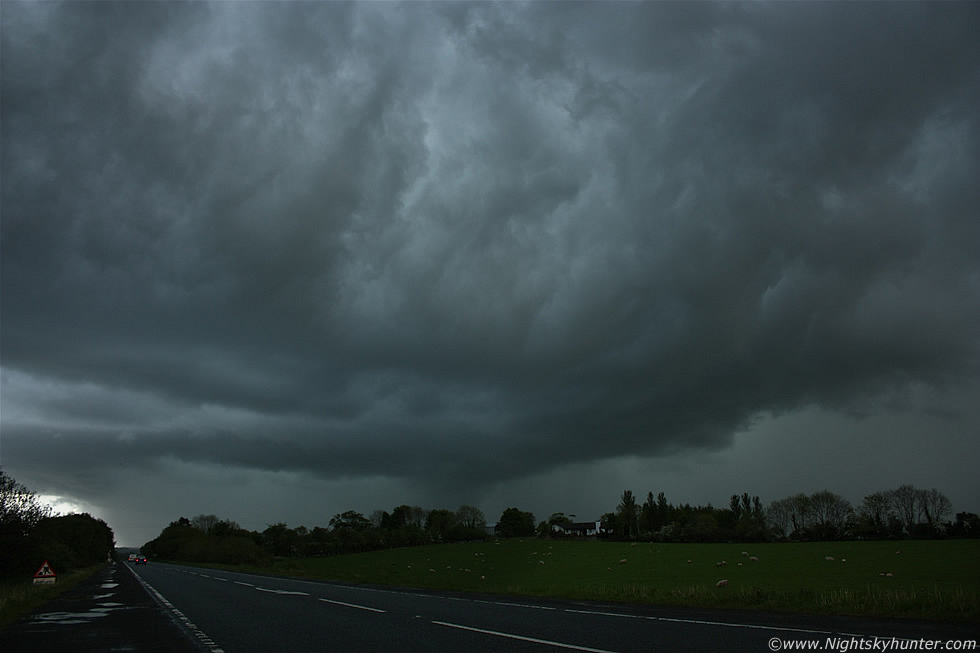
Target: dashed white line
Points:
x,y
265,589
352,605
522,638
700,622
523,605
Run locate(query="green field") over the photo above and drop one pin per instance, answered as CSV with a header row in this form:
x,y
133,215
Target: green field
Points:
x,y
936,580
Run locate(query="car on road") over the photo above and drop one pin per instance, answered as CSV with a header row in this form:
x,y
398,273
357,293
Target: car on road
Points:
x,y
140,560
132,557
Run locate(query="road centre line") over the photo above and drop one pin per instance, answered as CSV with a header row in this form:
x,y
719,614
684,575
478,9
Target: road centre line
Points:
x,y
702,622
523,605
238,582
352,605
523,638
265,589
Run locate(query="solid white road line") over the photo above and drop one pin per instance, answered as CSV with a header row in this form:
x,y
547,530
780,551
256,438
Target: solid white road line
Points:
x,y
523,638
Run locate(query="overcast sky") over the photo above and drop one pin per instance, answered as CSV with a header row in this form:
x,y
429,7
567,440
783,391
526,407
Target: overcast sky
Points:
x,y
275,261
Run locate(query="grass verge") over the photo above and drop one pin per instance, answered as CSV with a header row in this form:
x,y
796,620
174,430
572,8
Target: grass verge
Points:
x,y
23,597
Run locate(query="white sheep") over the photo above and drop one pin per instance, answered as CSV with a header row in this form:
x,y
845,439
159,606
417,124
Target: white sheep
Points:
x,y
753,559
721,583
829,558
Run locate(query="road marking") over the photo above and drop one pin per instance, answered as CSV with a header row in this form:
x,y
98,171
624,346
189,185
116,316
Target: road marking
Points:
x,y
195,631
523,605
352,605
523,638
264,589
238,582
701,622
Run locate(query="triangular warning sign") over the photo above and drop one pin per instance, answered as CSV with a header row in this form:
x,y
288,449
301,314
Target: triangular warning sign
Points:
x,y
45,571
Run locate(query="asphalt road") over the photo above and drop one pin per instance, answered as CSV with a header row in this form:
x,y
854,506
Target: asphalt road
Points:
x,y
233,612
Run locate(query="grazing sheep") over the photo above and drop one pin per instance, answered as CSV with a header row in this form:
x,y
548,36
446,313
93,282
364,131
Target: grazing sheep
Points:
x,y
689,561
623,561
753,559
740,564
745,553
721,583
829,558
540,562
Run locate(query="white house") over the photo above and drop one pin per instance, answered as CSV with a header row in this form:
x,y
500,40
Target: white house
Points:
x,y
582,528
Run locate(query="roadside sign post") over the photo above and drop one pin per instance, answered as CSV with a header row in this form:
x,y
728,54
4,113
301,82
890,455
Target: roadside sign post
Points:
x,y
45,575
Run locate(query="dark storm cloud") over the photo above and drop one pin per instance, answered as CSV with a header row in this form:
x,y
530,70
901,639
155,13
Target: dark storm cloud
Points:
x,y
462,242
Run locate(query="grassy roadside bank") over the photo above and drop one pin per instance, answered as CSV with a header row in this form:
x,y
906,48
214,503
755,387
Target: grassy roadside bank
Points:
x,y
932,580
23,597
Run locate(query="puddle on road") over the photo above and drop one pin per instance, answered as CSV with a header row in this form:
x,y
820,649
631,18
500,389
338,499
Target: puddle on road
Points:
x,y
65,618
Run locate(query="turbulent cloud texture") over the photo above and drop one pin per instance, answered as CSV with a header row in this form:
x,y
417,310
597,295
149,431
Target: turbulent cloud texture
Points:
x,y
458,244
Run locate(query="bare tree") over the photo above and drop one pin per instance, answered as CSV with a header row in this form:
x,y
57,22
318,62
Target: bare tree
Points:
x,y
205,522
876,507
801,513
934,505
830,511
779,515
905,500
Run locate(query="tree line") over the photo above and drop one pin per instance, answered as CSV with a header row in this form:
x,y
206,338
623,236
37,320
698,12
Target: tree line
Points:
x,y
30,534
905,512
207,538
